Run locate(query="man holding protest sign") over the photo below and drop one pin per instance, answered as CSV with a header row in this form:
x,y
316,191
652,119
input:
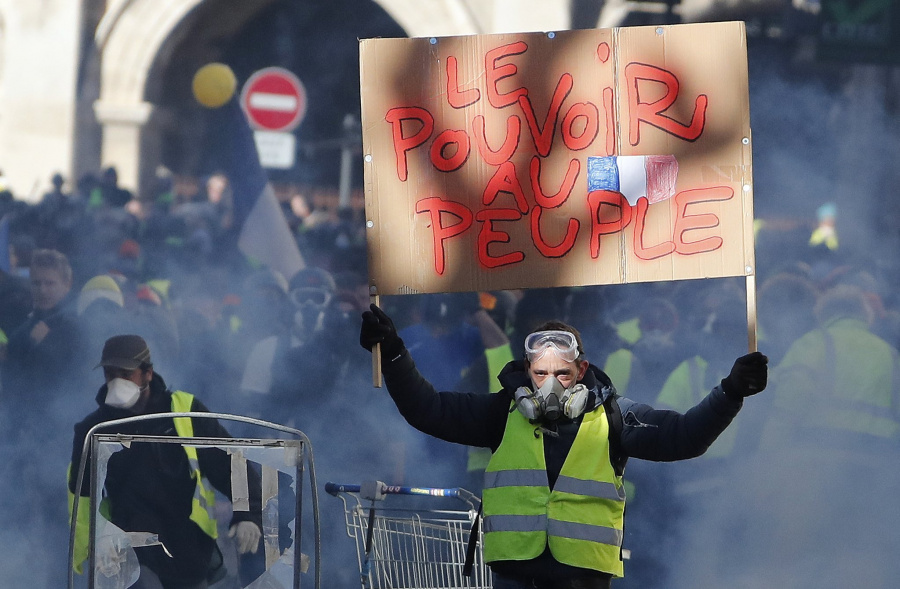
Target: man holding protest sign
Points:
x,y
557,159
560,436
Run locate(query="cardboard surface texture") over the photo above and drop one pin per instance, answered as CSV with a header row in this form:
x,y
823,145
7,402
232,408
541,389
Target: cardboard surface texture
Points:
x,y
557,159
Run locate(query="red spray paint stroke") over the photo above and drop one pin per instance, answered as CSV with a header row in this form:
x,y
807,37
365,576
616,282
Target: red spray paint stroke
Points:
x,y
438,149
436,207
489,235
510,143
591,116
551,201
456,97
685,222
547,250
402,143
611,198
543,136
505,180
647,253
651,112
494,73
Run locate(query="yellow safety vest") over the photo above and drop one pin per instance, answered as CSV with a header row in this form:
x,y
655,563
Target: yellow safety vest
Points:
x,y
581,519
202,504
618,368
619,363
843,378
496,358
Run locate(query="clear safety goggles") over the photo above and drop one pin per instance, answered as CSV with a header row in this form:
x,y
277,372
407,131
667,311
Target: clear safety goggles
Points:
x,y
562,342
305,295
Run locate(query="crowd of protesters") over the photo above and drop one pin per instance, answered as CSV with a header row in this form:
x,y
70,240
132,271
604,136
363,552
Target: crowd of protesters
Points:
x,y
95,261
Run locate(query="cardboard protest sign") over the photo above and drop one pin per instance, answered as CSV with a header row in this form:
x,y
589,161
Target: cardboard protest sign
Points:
x,y
557,159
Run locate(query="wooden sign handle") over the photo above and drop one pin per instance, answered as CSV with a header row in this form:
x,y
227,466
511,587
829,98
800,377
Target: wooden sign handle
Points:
x,y
751,313
376,352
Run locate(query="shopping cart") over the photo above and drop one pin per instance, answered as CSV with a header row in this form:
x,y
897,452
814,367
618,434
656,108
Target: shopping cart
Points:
x,y
401,547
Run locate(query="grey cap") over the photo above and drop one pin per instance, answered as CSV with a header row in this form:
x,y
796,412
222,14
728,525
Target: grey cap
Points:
x,y
125,351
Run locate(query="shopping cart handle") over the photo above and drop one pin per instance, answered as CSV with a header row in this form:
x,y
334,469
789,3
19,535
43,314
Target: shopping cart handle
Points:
x,y
335,488
373,490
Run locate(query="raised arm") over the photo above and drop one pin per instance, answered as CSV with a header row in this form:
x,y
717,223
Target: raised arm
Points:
x,y
465,418
663,435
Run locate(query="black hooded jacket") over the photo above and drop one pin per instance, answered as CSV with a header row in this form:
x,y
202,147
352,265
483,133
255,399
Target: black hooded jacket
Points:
x,y
480,420
150,486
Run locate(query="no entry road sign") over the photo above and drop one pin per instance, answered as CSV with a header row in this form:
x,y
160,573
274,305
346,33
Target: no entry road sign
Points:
x,y
274,100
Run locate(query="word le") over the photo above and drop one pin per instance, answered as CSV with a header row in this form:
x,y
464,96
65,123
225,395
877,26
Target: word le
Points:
x,y
580,125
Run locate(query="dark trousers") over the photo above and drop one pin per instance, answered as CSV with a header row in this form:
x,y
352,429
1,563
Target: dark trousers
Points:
x,y
504,582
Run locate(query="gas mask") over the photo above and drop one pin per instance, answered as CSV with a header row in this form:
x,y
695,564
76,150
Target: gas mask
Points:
x,y
122,393
310,304
551,400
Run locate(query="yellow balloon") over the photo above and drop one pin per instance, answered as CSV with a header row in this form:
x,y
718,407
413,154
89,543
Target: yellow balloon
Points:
x,y
214,85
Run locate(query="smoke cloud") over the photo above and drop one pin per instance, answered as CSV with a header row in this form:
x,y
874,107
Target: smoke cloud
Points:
x,y
759,511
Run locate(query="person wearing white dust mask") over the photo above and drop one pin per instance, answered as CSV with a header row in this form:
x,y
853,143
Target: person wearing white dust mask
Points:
x,y
162,490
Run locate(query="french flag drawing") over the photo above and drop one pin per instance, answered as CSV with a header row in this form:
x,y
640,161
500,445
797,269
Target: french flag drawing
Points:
x,y
650,176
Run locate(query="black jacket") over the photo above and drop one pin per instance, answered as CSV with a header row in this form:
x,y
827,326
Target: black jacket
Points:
x,y
150,487
480,420
35,374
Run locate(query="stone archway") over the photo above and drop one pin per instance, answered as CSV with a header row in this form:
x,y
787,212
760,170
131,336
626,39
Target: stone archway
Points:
x,y
133,36
128,39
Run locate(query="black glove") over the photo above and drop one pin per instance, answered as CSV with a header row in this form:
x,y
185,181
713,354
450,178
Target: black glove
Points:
x,y
377,328
748,376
